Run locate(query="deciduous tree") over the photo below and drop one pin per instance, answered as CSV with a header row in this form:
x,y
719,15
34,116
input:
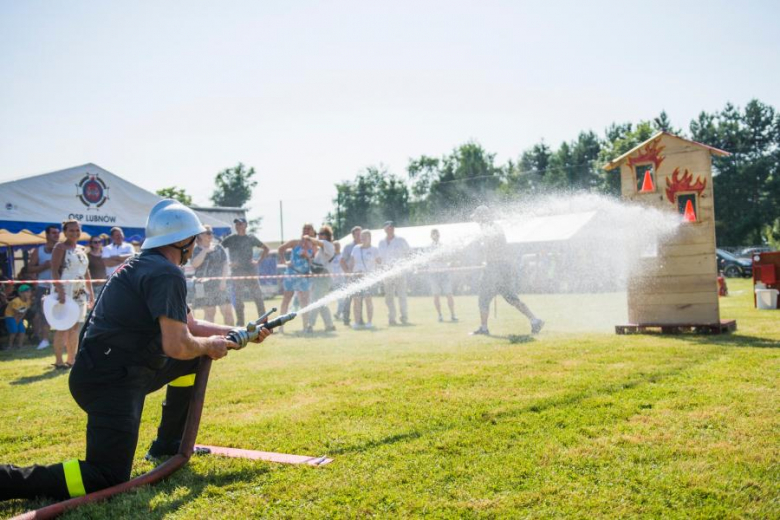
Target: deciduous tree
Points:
x,y
175,193
234,186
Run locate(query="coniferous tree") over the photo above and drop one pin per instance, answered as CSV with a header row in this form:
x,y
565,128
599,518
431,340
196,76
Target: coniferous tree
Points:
x,y
747,187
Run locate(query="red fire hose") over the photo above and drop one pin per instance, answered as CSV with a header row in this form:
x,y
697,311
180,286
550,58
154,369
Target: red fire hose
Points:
x,y
162,471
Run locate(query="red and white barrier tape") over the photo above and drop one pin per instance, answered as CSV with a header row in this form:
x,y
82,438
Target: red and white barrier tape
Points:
x,y
254,277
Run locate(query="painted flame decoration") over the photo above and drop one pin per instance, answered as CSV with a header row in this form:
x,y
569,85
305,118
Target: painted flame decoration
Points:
x,y
651,153
677,185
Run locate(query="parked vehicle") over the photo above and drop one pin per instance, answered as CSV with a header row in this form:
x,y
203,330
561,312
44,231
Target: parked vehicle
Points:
x,y
748,252
733,266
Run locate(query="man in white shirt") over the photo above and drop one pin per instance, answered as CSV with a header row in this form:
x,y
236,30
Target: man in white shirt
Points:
x,y
393,249
39,268
115,253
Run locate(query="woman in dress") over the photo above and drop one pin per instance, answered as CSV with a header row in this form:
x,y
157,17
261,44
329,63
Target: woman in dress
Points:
x,y
69,261
210,260
296,281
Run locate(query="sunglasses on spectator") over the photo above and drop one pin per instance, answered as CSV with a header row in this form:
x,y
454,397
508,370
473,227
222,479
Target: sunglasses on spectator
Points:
x,y
96,242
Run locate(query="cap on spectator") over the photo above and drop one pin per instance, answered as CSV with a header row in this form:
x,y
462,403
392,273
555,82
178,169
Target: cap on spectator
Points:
x,y
482,214
24,288
389,223
239,219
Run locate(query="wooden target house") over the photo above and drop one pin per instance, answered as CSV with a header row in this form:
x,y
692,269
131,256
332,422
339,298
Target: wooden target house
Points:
x,y
674,287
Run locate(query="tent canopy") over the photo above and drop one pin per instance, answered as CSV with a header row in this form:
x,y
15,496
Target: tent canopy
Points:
x,y
25,238
543,229
95,197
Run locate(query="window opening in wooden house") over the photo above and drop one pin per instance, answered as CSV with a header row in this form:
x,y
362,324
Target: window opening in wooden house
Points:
x,y
688,206
645,178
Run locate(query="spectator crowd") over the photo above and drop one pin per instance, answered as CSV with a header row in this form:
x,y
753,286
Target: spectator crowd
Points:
x,y
65,277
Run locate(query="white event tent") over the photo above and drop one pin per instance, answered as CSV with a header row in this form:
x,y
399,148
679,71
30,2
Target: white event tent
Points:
x,y
536,230
95,197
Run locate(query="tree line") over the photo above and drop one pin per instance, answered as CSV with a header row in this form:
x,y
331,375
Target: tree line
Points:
x,y
441,189
232,189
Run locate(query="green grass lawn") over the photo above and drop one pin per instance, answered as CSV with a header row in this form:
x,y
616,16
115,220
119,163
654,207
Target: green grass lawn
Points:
x,y
427,421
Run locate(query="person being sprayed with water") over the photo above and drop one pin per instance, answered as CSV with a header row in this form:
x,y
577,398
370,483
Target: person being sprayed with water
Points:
x,y
296,282
498,274
365,260
441,282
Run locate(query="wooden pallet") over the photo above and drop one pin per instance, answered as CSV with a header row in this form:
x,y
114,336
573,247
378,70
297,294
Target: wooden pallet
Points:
x,y
724,327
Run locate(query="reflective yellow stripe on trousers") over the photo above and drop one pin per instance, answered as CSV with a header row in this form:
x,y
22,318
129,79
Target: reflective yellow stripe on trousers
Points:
x,y
73,478
188,380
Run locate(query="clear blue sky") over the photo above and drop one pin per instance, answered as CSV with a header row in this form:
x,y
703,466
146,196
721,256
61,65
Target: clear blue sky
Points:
x,y
309,93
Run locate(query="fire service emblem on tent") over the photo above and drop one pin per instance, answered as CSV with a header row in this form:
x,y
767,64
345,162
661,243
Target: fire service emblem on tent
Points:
x,y
92,191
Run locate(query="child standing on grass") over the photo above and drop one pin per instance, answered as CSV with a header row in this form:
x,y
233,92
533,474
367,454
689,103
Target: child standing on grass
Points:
x,y
14,316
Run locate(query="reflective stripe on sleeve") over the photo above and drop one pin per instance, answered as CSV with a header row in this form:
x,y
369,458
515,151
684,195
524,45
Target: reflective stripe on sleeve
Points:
x,y
73,478
188,380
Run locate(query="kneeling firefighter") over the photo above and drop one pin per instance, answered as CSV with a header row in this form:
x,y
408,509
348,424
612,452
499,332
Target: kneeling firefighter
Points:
x,y
139,337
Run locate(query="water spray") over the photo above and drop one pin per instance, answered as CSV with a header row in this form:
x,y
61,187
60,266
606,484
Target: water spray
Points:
x,y
613,235
243,335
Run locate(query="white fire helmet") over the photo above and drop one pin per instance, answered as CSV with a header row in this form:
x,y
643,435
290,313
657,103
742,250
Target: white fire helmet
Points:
x,y
169,222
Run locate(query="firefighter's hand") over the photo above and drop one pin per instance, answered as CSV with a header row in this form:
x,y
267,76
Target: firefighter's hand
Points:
x,y
264,333
217,347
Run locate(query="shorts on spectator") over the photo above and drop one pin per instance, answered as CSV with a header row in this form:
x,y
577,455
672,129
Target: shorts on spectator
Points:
x,y
441,283
296,283
368,291
213,296
13,326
